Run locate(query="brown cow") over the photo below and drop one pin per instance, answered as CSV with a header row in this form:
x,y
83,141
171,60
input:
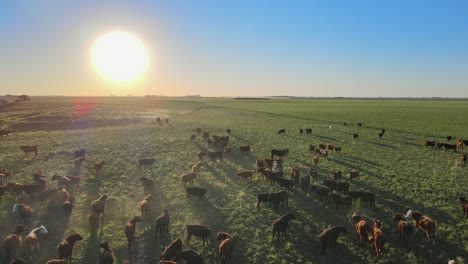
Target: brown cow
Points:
x,y
404,228
353,174
12,242
330,235
65,248
423,222
363,229
245,149
225,247
464,205
379,239
130,229
27,149
245,174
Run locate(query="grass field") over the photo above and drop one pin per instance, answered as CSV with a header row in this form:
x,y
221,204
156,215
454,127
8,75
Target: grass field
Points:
x,y
399,169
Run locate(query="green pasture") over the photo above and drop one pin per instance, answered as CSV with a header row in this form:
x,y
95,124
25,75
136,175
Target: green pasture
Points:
x,y
398,168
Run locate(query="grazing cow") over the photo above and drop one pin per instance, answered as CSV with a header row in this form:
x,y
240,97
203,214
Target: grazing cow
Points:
x,y
67,181
79,154
145,207
381,135
172,250
355,135
99,166
98,206
130,229
423,222
379,238
464,205
451,146
280,225
148,184
321,190
367,197
27,149
404,228
341,200
245,174
363,229
309,131
225,247
24,211
279,152
244,149
188,178
192,257
305,182
12,242
215,154
337,186
228,131
201,154
430,143
449,138
198,231
329,236
463,159
313,173
353,174
195,191
359,124
162,223
65,248
277,198
282,131
146,162
337,176
32,240
107,256
301,131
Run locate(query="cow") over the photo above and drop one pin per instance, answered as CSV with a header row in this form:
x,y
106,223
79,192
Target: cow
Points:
x,y
329,236
277,198
460,144
311,148
464,205
244,149
146,162
363,229
279,152
295,175
215,154
321,190
188,178
353,174
451,146
245,174
27,149
282,131
430,143
201,154
341,200
228,131
305,182
337,149
301,131
280,225
359,124
198,231
330,147
404,228
423,222
379,238
262,198
309,131
171,250
313,173
355,135
195,191
337,186
337,176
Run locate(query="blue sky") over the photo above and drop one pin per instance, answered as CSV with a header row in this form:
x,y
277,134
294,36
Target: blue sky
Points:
x,y
242,48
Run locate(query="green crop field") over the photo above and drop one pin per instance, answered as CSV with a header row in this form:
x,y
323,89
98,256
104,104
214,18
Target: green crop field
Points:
x,y
397,168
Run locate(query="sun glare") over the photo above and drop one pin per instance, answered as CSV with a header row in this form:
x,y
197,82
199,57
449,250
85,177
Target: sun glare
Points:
x,y
120,57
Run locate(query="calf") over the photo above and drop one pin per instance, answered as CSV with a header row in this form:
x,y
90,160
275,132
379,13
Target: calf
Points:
x,y
228,131
171,250
359,124
449,138
463,159
27,149
65,248
195,191
381,135
245,174
280,225
282,131
188,178
279,152
32,240
311,148
329,236
301,131
244,149
337,149
107,256
198,231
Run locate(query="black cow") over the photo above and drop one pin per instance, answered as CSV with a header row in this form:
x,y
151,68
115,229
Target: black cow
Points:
x,y
279,152
262,198
449,138
244,149
198,231
301,131
430,143
282,131
337,186
309,131
228,131
277,198
195,191
216,154
359,124
280,225
172,250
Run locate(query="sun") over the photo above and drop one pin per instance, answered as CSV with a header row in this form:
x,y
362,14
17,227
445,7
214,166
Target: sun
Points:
x,y
120,57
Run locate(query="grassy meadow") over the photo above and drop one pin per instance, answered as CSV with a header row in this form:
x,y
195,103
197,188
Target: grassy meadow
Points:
x,y
399,169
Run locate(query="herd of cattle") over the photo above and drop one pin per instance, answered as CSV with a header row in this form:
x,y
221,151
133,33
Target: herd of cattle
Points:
x,y
334,189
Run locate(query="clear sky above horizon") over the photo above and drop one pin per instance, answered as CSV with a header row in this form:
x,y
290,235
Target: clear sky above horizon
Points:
x,y
359,48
